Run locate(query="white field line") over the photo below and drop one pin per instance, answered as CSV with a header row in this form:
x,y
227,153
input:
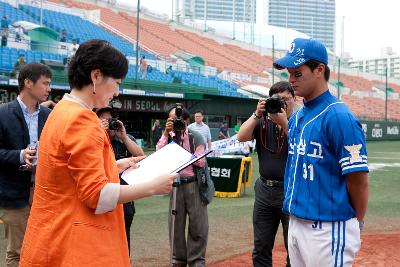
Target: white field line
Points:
x,y
376,166
380,152
390,158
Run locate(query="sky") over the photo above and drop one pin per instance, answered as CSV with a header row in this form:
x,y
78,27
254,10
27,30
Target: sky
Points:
x,y
369,25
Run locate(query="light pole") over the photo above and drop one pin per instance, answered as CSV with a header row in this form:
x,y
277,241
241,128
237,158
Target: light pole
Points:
x,y
234,19
341,56
244,20
273,59
172,10
41,13
342,39
137,40
252,17
386,91
338,81
205,15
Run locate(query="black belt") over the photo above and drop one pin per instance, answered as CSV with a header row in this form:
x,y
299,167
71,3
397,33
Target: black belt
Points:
x,y
272,182
188,179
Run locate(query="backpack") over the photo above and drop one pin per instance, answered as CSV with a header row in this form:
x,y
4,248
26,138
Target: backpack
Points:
x,y
206,184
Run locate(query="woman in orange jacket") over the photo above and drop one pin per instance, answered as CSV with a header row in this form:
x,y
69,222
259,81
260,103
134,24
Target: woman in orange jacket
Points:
x,y
77,216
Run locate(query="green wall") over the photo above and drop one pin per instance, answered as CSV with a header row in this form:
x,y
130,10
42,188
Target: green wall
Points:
x,y
381,130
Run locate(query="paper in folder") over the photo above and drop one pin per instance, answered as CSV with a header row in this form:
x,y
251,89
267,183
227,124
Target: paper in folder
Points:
x,y
171,158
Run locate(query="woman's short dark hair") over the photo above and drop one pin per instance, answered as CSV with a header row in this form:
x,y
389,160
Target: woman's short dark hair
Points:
x,y
96,54
32,71
280,87
313,64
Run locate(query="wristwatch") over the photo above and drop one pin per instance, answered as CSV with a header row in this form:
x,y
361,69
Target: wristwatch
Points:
x,y
254,115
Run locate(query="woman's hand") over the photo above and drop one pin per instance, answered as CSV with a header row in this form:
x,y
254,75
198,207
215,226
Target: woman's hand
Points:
x,y
126,163
162,184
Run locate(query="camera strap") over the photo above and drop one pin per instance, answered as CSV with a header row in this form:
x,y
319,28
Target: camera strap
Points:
x,y
191,143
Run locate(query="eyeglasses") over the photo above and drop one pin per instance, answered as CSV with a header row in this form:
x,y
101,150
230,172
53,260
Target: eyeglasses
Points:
x,y
286,98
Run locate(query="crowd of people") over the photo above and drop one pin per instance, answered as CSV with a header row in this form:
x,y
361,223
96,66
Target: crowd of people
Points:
x,y
63,203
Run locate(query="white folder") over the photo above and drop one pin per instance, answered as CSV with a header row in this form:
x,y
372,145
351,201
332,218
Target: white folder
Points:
x,y
169,159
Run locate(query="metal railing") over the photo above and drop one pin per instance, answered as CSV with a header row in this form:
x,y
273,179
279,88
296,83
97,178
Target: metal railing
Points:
x,y
128,38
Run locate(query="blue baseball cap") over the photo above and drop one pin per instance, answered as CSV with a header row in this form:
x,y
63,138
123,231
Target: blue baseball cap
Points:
x,y
302,50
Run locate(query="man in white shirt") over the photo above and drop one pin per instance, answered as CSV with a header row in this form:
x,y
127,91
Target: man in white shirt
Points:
x,y
201,128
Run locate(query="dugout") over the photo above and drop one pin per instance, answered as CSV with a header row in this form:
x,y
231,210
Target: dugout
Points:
x,y
145,101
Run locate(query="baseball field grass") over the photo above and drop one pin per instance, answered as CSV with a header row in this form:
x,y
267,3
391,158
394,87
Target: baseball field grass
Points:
x,y
230,219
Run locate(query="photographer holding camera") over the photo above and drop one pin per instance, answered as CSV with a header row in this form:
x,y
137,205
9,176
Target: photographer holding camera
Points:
x,y
124,146
272,150
188,199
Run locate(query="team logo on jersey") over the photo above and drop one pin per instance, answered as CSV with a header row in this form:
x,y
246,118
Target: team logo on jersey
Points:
x,y
301,147
354,153
291,49
317,150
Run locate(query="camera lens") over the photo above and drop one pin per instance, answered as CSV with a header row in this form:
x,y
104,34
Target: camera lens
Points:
x,y
274,104
114,125
178,125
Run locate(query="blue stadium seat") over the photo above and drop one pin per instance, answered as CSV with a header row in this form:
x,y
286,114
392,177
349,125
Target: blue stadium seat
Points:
x,y
77,27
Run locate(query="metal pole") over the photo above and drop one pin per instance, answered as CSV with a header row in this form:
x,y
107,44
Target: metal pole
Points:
x,y
244,20
386,91
273,59
342,41
172,10
205,15
286,26
252,21
234,18
137,40
177,11
41,13
338,85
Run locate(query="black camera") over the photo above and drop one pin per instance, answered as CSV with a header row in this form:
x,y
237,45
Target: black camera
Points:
x,y
115,105
274,104
178,123
114,124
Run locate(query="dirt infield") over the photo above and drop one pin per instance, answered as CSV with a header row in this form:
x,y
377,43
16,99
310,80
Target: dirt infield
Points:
x,y
376,250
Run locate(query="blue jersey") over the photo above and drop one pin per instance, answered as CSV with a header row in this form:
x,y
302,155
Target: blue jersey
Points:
x,y
326,142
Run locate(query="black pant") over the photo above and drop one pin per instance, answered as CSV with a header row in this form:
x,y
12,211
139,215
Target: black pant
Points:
x,y
129,212
267,214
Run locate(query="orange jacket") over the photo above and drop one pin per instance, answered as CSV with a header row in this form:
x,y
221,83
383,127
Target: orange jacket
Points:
x,y
75,162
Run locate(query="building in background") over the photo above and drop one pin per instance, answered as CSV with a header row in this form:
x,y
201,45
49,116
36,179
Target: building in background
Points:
x,y
388,59
315,18
247,22
221,10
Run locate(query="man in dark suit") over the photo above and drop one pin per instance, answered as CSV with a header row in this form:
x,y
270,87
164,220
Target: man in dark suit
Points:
x,y
21,122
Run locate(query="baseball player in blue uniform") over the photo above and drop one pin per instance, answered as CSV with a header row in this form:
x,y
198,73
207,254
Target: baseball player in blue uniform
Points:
x,y
326,176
